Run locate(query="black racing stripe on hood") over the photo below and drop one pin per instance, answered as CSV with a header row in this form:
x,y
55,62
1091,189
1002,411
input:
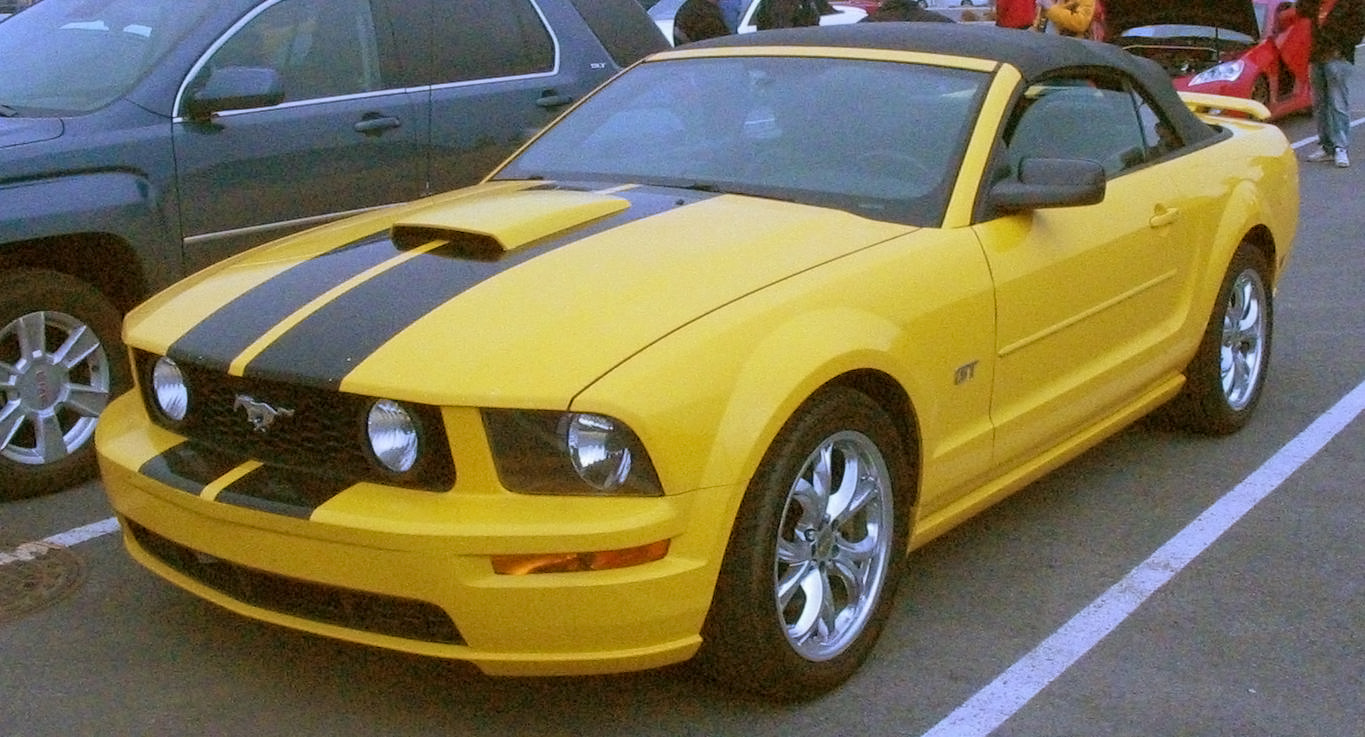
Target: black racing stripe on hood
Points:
x,y
326,346
220,337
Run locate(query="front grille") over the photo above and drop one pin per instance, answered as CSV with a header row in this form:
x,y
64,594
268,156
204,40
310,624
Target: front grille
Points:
x,y
325,435
357,610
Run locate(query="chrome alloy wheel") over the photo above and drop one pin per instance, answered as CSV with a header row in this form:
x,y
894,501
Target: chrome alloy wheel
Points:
x,y
834,545
55,380
1243,352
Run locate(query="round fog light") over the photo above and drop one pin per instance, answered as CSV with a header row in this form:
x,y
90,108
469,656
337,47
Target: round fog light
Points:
x,y
169,391
393,436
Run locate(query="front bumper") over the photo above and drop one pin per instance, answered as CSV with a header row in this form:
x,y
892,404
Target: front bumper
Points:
x,y
411,570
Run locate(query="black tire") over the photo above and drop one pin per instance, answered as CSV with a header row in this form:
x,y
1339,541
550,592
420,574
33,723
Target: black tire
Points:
x,y
61,361
754,638
1225,380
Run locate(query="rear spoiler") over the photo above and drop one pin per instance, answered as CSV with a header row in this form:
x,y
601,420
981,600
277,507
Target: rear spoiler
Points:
x,y
1200,102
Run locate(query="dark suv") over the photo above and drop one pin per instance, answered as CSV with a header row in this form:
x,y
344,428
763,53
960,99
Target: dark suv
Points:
x,y
143,139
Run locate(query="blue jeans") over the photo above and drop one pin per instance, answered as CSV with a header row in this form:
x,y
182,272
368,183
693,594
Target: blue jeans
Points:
x,y
1330,108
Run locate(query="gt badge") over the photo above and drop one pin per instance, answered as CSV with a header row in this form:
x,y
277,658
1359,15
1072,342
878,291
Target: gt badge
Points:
x,y
259,414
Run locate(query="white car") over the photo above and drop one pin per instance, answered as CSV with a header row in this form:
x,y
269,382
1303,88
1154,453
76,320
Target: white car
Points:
x,y
663,12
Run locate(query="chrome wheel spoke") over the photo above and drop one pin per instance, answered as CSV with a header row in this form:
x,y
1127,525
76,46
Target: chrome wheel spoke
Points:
x,y
855,553
9,377
31,332
51,438
80,346
810,612
811,496
86,401
842,499
11,419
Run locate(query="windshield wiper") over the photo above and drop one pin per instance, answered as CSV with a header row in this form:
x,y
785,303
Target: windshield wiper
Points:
x,y
7,112
761,193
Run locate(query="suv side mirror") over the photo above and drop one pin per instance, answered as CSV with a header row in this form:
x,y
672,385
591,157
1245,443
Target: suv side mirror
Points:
x,y
236,88
1044,183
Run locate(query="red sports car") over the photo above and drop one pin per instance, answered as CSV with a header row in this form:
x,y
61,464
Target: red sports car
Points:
x,y
1243,48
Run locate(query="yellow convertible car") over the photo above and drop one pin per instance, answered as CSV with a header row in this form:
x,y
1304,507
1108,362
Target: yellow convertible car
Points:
x,y
689,375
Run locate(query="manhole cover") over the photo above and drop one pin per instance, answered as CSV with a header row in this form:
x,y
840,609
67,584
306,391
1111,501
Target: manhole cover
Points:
x,y
35,574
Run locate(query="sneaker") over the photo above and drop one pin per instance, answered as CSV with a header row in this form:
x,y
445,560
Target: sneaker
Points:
x,y
1341,160
1320,156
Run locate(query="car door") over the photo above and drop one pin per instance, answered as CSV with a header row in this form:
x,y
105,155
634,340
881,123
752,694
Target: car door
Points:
x,y
349,134
495,74
1292,35
1087,297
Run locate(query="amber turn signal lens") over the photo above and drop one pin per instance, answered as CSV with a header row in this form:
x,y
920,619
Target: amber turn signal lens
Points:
x,y
520,565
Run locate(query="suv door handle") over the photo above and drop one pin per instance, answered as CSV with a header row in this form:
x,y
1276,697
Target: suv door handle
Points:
x,y
550,98
373,124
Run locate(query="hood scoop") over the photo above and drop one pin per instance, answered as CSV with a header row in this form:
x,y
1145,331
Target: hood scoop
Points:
x,y
486,228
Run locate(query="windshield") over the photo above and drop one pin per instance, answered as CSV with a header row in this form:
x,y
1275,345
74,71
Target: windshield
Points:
x,y
881,139
74,56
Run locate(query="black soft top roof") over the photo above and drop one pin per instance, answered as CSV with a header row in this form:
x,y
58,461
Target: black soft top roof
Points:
x,y
1035,55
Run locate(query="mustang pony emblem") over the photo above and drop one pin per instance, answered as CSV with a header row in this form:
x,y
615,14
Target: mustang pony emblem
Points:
x,y
259,414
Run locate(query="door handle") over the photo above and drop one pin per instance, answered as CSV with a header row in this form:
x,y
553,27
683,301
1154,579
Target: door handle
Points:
x,y
373,124
550,98
1164,216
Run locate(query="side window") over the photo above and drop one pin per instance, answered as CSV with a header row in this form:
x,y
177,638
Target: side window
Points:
x,y
489,39
627,34
1080,118
321,48
1159,135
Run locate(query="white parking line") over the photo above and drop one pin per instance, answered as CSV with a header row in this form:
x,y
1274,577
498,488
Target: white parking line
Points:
x,y
25,552
1014,688
82,534
1314,139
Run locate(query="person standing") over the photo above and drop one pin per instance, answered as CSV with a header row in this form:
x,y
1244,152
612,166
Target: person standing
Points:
x,y
907,10
790,13
1338,26
1015,13
732,10
1067,17
698,20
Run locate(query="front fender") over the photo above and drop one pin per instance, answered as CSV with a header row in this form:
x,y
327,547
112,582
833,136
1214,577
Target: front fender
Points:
x,y
120,205
709,399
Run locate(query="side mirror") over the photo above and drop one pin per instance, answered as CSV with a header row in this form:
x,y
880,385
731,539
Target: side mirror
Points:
x,y
1044,183
236,88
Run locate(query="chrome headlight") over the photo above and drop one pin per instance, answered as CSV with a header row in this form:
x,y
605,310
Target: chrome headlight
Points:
x,y
393,436
598,448
169,391
1225,72
569,453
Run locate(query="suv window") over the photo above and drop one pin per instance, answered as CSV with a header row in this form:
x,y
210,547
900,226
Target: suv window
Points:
x,y
488,39
321,48
627,35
